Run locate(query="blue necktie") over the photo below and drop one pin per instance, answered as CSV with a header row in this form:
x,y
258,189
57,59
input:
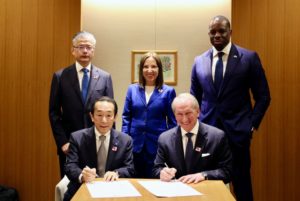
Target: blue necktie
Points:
x,y
189,152
84,84
219,72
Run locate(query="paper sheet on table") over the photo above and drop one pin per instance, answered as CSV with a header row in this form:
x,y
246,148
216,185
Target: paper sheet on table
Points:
x,y
169,189
102,189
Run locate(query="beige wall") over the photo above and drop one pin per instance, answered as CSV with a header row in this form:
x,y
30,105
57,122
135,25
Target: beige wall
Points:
x,y
122,26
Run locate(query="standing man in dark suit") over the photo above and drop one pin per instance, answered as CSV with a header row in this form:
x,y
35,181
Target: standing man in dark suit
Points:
x,y
221,80
192,151
73,90
85,160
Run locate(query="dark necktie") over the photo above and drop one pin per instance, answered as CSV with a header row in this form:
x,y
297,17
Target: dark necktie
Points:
x,y
219,72
101,156
189,152
85,84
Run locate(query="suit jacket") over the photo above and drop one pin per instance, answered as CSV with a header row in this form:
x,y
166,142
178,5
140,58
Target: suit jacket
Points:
x,y
231,108
145,122
83,153
67,112
211,153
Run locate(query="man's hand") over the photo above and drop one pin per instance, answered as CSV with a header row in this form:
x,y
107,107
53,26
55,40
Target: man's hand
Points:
x,y
192,178
111,176
167,174
65,148
88,174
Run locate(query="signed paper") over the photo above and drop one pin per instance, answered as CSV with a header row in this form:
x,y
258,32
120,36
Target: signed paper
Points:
x,y
169,189
102,189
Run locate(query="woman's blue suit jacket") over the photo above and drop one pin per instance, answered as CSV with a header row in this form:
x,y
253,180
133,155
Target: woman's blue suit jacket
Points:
x,y
145,122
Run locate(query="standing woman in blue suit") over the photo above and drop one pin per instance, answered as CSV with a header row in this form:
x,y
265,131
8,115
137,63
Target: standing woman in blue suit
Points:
x,y
147,113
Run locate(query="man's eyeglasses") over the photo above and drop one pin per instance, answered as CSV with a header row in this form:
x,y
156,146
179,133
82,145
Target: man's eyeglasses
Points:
x,y
82,48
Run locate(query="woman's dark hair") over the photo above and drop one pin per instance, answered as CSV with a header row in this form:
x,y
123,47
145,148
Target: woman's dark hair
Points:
x,y
160,79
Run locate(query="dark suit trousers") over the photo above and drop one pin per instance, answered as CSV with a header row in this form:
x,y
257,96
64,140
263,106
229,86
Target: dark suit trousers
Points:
x,y
62,161
241,163
241,178
143,163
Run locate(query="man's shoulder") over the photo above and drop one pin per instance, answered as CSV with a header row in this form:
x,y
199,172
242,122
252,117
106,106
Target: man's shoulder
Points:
x,y
169,133
207,53
242,49
100,71
79,134
211,130
121,135
65,69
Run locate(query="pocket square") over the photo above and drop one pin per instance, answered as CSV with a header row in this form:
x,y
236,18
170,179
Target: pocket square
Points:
x,y
205,154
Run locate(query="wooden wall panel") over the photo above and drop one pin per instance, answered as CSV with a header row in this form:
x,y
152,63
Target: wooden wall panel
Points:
x,y
35,41
272,29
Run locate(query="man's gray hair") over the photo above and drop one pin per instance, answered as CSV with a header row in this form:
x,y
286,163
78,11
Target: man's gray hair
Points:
x,y
185,97
84,35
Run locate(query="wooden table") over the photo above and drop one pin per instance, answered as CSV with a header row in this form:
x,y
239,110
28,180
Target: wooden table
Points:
x,y
211,190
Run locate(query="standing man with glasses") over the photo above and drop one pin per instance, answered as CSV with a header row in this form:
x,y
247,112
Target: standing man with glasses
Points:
x,y
73,90
223,80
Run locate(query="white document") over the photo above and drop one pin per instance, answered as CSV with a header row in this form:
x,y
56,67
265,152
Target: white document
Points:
x,y
169,189
102,189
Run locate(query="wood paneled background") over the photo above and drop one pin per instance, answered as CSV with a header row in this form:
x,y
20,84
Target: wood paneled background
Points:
x,y
272,28
35,41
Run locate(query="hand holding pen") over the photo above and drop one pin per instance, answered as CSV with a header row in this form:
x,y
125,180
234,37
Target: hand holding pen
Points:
x,y
88,174
167,174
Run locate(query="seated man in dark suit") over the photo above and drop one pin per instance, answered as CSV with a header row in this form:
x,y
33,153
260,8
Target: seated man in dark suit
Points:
x,y
192,151
99,150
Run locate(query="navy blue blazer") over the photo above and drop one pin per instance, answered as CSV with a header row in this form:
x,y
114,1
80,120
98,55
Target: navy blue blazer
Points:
x,y
82,152
145,122
67,112
231,106
211,153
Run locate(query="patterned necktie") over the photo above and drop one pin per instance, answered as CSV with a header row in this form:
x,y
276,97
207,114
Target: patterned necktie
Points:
x,y
84,84
101,156
189,152
219,71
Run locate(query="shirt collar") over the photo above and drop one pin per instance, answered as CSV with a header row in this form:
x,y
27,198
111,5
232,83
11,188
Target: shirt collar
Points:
x,y
97,133
79,67
226,50
194,130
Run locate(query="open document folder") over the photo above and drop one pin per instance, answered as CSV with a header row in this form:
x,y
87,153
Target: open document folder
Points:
x,y
169,189
102,189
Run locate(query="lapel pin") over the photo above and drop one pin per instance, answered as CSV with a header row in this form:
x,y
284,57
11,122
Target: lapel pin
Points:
x,y
114,148
198,149
235,56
